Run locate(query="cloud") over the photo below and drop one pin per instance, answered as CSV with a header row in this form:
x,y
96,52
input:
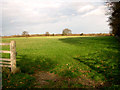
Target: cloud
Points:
x,y
98,11
35,15
86,8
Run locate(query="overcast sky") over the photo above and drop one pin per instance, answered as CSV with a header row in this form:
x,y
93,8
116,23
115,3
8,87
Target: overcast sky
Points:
x,y
40,16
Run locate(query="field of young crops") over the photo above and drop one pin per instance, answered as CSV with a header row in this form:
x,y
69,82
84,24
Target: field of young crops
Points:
x,y
80,62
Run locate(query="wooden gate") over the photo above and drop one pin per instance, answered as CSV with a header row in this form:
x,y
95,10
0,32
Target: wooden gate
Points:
x,y
11,63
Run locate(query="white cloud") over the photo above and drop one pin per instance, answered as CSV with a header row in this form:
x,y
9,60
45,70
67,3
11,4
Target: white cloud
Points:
x,y
98,11
37,14
85,8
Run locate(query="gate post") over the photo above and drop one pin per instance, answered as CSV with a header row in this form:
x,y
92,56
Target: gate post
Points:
x,y
13,56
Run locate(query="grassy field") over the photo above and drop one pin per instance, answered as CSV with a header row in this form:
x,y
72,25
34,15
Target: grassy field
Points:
x,y
79,60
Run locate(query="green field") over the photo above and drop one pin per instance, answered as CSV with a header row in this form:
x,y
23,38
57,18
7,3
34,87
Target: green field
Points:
x,y
77,60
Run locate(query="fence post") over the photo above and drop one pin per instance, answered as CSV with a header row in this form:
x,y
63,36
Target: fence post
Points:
x,y
13,56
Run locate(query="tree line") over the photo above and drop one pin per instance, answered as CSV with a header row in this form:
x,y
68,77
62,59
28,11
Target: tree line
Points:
x,y
66,31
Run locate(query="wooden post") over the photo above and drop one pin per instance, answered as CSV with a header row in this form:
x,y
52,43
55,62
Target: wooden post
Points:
x,y
13,56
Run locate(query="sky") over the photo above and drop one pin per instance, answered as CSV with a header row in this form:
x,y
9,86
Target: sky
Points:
x,y
40,16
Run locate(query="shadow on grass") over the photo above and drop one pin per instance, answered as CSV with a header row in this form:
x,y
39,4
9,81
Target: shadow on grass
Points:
x,y
107,59
109,69
30,64
106,40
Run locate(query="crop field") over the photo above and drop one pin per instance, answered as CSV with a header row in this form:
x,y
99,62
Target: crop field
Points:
x,y
72,62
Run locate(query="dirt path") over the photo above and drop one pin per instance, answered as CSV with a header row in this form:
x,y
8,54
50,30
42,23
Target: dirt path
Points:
x,y
44,78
